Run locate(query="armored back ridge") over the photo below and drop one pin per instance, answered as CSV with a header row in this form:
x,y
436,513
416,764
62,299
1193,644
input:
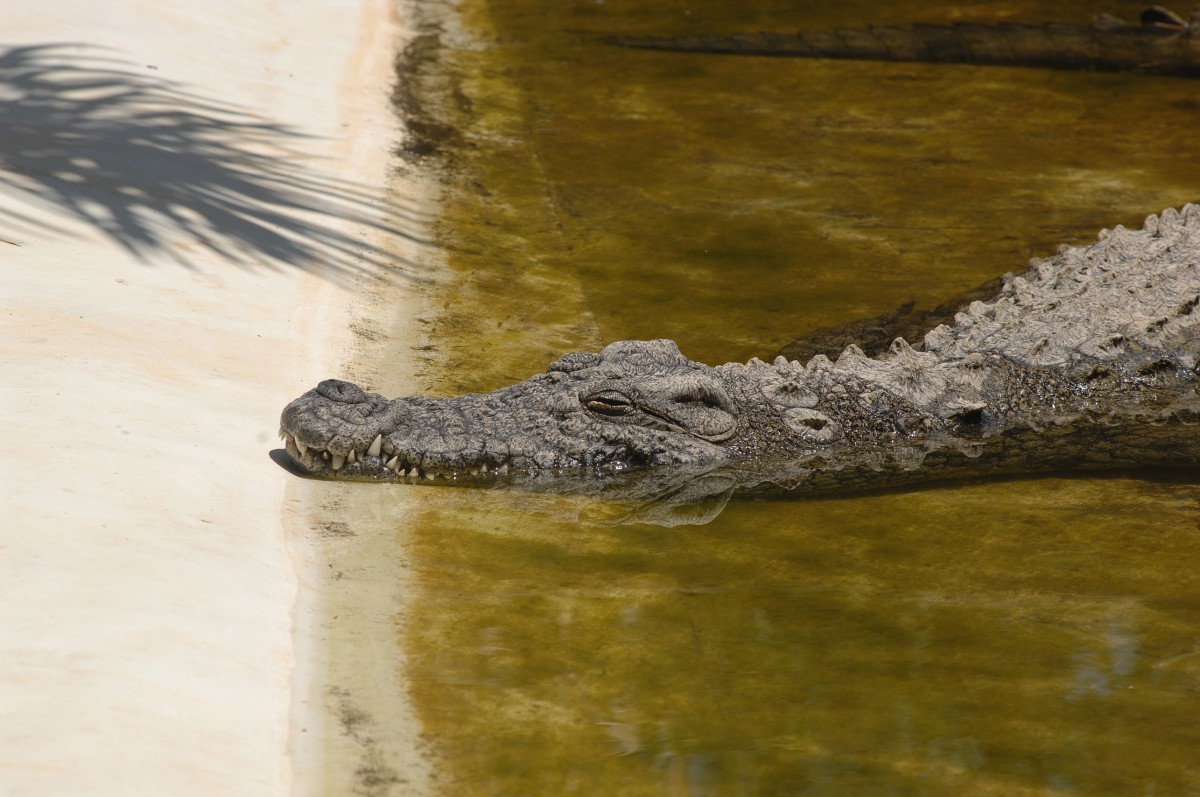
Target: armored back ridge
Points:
x,y
1088,359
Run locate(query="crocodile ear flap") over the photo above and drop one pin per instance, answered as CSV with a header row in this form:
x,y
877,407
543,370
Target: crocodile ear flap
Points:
x,y
574,361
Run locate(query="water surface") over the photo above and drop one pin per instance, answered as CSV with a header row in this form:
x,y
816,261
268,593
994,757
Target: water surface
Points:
x,y
1033,636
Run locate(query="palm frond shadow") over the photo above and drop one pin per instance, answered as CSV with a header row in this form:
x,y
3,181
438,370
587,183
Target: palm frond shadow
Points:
x,y
163,172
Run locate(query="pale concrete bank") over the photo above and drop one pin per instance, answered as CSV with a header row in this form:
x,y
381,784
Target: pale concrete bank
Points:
x,y
192,199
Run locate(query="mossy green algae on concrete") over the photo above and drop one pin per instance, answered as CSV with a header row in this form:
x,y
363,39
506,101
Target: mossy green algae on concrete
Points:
x,y
1022,637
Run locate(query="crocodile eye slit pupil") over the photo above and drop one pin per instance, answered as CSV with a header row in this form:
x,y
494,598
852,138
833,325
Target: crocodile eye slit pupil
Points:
x,y
609,404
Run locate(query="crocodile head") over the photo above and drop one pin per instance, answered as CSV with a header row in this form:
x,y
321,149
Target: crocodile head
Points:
x,y
1087,359
635,404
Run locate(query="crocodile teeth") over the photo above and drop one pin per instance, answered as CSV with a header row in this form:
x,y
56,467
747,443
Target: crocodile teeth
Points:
x,y
338,461
393,464
376,446
303,449
352,456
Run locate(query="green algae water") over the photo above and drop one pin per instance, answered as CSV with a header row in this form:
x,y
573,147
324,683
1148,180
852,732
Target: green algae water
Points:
x,y
992,640
1036,636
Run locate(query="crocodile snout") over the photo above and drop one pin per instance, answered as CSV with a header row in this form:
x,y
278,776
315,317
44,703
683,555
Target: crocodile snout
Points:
x,y
338,390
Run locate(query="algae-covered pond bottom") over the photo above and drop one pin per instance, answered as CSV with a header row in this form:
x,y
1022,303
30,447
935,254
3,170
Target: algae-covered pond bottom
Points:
x,y
1036,636
989,639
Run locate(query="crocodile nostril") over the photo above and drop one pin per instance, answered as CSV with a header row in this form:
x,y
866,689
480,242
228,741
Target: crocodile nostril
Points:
x,y
337,390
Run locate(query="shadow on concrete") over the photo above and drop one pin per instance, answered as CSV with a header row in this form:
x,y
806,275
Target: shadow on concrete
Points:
x,y
165,173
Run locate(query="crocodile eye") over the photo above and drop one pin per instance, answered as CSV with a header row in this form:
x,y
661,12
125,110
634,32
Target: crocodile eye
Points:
x,y
610,403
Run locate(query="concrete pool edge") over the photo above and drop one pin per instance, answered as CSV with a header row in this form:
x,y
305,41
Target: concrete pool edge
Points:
x,y
354,727
154,587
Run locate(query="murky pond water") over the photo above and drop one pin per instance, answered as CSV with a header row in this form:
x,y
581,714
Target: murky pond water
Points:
x,y
1020,637
987,640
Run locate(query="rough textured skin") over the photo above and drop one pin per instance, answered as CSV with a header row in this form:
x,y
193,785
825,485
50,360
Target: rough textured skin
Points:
x,y
875,335
1087,359
1162,44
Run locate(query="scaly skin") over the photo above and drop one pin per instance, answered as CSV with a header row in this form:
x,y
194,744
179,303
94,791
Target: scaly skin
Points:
x,y
1086,360
1162,44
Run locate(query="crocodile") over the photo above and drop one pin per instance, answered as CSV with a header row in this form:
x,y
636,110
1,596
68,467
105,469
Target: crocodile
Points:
x,y
875,335
1162,44
1087,359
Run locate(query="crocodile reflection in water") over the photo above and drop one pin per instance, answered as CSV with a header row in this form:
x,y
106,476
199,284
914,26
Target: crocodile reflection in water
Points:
x,y
1086,360
1163,44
